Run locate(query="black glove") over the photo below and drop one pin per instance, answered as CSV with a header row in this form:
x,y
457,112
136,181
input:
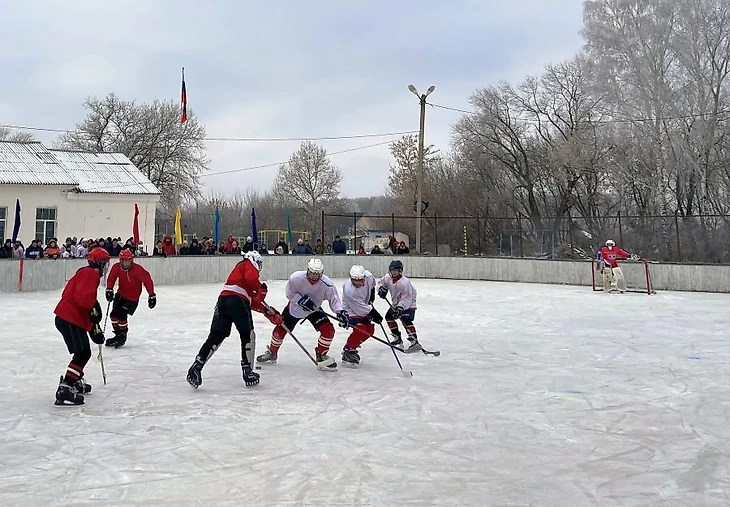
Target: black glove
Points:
x,y
95,313
397,312
375,316
343,319
383,291
110,295
152,301
97,335
306,304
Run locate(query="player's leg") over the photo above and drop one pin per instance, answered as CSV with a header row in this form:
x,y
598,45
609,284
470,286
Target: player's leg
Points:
x,y
277,337
71,386
220,329
407,317
618,276
360,332
240,312
393,327
326,334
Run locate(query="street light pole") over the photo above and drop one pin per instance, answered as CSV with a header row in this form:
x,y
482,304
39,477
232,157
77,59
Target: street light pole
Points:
x,y
419,176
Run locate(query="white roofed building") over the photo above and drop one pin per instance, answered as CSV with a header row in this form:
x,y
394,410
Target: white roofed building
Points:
x,y
73,194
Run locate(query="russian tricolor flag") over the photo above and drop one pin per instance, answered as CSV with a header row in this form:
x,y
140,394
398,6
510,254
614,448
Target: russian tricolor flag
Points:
x,y
184,100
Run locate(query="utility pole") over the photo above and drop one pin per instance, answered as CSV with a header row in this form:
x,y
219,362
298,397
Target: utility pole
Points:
x,y
419,178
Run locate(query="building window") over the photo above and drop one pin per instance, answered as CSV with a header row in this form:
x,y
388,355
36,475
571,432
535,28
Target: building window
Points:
x,y
3,214
45,224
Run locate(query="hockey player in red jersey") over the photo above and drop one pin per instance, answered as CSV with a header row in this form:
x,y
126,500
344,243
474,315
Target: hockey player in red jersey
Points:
x,y
358,294
78,315
403,305
242,293
306,291
613,277
131,277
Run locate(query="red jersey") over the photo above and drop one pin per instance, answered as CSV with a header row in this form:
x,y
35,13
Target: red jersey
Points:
x,y
130,281
244,282
610,257
79,297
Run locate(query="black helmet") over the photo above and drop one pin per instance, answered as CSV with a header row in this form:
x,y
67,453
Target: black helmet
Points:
x,y
395,265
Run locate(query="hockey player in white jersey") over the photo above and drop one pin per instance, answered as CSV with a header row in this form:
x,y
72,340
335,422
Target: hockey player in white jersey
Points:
x,y
358,294
403,305
306,291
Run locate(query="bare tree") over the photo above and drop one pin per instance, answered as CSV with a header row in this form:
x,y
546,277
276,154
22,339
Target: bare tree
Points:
x,y
309,181
171,154
7,134
403,175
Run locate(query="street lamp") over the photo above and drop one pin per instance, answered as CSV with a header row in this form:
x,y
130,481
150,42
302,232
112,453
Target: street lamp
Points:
x,y
419,179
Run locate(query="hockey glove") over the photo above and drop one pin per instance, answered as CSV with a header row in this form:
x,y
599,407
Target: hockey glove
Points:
x,y
306,304
97,335
634,257
375,316
383,291
95,313
397,312
343,319
110,295
263,291
274,316
152,301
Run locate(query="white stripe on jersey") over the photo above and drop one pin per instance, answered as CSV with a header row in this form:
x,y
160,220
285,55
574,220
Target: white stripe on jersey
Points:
x,y
402,292
356,300
298,286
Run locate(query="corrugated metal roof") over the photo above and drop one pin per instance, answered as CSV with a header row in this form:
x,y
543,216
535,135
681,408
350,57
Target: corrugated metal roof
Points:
x,y
34,164
107,173
31,164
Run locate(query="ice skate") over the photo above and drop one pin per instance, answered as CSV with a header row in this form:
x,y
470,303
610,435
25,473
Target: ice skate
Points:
x,y
267,357
67,395
195,377
413,347
82,386
118,340
396,340
250,377
325,362
350,357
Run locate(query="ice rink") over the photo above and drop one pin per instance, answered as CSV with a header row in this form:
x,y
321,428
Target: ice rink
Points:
x,y
542,396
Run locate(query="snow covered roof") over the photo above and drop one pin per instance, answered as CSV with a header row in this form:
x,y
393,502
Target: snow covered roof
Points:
x,y
34,164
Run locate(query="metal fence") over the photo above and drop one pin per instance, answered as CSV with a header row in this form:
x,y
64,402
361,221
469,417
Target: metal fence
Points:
x,y
671,237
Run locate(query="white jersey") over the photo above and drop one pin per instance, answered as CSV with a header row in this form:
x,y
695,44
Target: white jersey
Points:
x,y
402,292
298,286
356,300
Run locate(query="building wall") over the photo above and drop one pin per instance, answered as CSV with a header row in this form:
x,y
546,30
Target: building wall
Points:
x,y
80,215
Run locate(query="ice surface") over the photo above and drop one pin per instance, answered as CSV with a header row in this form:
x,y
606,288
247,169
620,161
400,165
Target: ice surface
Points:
x,y
542,396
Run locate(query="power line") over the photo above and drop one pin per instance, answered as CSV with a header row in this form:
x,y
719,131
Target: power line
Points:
x,y
277,164
240,139
612,120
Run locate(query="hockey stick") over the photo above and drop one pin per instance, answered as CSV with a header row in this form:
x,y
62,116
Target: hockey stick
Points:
x,y
404,372
435,353
266,306
99,356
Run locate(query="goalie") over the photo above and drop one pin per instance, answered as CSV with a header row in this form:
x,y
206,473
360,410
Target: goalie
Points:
x,y
608,257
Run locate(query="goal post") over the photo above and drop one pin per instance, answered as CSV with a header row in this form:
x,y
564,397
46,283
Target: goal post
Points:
x,y
636,272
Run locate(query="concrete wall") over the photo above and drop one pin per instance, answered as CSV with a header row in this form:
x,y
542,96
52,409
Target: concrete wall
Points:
x,y
80,215
52,274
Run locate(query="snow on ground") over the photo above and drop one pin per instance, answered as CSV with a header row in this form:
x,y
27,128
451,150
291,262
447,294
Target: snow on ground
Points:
x,y
542,396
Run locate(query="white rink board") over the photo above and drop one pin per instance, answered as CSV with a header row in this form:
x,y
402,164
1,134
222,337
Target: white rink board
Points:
x,y
542,396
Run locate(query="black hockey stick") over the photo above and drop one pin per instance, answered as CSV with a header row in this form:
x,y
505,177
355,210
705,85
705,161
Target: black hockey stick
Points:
x,y
266,306
406,373
435,353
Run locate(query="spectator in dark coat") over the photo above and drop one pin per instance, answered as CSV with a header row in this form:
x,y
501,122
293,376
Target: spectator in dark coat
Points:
x,y
302,249
284,247
185,248
339,246
35,250
402,249
376,250
6,251
115,248
195,248
248,246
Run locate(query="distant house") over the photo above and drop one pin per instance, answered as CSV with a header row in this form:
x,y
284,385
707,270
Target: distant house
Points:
x,y
373,230
73,194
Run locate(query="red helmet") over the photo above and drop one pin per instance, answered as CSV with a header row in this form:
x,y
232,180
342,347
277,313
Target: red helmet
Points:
x,y
126,255
98,257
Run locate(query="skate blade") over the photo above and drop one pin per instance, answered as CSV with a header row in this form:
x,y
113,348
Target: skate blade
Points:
x,y
412,350
326,368
61,403
352,366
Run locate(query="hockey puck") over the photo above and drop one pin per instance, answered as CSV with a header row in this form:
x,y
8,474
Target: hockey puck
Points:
x,y
258,367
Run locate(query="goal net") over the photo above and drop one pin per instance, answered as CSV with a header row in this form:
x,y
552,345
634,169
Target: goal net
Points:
x,y
636,273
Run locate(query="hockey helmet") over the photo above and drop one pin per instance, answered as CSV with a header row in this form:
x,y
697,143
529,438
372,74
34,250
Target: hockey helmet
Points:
x,y
126,257
315,269
610,242
397,265
357,272
255,258
98,258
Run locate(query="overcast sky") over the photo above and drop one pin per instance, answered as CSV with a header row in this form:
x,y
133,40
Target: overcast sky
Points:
x,y
283,68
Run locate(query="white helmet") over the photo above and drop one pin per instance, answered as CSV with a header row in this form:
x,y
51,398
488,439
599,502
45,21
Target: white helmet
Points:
x,y
357,272
610,242
315,266
254,257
